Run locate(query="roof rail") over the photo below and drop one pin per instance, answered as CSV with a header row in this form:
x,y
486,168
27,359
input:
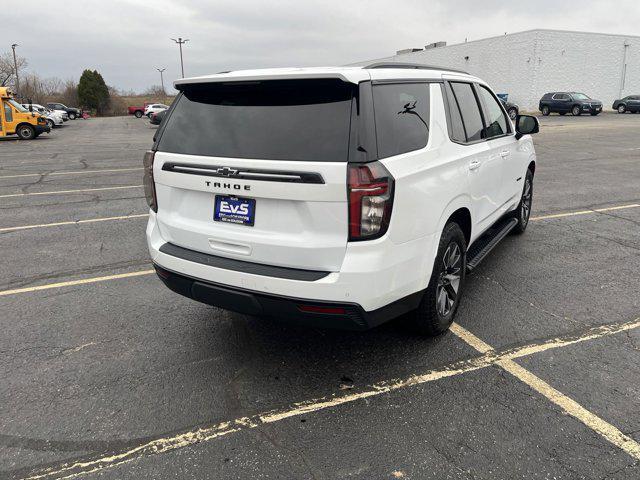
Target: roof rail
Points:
x,y
412,65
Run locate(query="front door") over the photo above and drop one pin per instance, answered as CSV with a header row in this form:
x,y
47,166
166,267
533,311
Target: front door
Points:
x,y
502,146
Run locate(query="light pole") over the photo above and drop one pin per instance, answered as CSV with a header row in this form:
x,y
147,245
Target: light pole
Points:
x,y
162,79
15,66
180,42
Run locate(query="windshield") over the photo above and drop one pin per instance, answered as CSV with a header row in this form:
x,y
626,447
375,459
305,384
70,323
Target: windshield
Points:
x,y
580,96
307,120
17,106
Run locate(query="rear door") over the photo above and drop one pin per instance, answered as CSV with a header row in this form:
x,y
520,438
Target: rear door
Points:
x,y
257,171
485,166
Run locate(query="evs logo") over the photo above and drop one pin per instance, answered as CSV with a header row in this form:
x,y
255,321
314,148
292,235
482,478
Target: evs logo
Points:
x,y
226,207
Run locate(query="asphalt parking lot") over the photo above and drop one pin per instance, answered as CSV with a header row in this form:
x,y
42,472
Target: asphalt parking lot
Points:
x,y
105,373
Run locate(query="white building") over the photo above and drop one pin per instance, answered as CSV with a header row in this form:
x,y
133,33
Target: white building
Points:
x,y
527,65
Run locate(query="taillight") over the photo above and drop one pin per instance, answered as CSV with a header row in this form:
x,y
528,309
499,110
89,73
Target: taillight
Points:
x,y
149,184
370,190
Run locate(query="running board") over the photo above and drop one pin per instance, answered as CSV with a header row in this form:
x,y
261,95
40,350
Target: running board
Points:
x,y
492,237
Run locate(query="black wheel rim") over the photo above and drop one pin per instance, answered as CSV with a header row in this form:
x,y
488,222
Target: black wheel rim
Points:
x,y
449,279
525,204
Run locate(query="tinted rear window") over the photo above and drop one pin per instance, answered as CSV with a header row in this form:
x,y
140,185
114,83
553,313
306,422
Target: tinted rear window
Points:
x,y
307,120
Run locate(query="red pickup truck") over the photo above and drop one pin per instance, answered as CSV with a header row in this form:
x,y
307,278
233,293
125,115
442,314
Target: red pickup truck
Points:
x,y
138,111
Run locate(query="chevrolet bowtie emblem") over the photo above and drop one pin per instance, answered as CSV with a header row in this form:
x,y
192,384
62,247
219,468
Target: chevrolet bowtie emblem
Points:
x,y
226,171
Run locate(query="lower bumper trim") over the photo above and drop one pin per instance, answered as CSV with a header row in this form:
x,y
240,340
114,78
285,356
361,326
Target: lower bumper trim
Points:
x,y
351,316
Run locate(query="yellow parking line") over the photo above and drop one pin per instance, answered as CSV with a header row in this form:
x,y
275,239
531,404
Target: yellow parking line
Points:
x,y
585,212
71,283
73,222
78,172
211,432
60,192
568,405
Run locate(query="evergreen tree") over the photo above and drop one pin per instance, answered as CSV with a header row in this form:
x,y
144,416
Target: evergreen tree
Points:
x,y
93,92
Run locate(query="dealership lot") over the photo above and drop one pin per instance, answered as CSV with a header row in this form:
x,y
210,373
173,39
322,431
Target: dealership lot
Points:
x,y
107,374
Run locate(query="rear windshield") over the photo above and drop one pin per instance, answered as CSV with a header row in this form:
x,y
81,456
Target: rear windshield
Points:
x,y
306,120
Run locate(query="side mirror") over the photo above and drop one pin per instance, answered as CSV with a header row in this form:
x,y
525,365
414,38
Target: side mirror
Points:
x,y
526,125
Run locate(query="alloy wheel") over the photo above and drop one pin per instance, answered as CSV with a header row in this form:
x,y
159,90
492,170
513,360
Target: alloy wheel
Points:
x,y
449,279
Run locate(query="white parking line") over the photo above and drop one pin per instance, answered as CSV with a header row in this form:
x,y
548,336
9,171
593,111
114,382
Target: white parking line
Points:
x,y
61,192
586,212
211,432
73,222
568,405
71,283
78,172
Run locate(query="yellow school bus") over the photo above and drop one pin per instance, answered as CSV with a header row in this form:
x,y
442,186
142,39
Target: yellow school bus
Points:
x,y
17,120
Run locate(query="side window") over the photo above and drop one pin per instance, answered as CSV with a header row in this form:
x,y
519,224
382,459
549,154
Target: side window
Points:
x,y
469,109
457,128
402,117
495,119
8,113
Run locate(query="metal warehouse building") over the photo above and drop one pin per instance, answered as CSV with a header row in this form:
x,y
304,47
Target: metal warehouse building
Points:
x,y
528,64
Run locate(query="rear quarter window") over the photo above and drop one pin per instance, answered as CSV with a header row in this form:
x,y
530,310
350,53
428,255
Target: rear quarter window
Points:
x,y
401,117
306,120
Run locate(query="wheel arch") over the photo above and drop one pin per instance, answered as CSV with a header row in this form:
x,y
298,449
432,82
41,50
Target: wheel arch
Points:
x,y
459,210
532,167
21,124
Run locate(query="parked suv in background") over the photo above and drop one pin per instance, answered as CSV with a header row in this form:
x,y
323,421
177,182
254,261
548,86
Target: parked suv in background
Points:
x,y
627,104
512,109
154,108
335,197
72,112
54,118
569,102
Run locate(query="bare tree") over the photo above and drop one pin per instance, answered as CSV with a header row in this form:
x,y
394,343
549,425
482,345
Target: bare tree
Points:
x,y
155,91
7,70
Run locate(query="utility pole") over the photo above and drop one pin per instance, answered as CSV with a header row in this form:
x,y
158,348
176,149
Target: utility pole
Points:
x,y
180,42
162,79
15,66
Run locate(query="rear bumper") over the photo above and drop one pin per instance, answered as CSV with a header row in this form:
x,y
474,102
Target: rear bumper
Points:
x,y
373,276
311,313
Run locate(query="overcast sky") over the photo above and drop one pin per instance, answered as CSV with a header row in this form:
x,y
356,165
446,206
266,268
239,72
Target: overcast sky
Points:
x,y
126,40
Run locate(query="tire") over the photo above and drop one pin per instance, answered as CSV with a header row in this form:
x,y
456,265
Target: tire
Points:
x,y
546,111
72,116
575,110
622,108
523,212
50,123
138,114
440,301
26,132
513,113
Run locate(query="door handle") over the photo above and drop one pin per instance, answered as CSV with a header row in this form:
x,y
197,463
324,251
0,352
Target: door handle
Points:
x,y
474,165
505,153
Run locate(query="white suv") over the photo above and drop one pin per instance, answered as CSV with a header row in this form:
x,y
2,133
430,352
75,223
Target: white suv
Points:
x,y
154,108
336,197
